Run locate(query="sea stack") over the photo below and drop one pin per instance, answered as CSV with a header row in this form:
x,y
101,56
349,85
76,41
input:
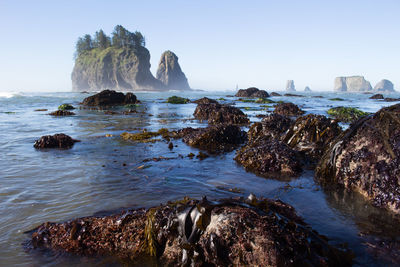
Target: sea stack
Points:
x,y
170,73
384,86
290,86
352,84
307,89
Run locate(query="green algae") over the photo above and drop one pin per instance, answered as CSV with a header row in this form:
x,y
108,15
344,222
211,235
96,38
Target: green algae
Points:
x,y
346,114
177,100
145,137
65,107
336,99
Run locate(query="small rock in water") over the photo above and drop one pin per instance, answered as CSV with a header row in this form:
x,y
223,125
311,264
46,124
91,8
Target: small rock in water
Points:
x,y
170,146
55,141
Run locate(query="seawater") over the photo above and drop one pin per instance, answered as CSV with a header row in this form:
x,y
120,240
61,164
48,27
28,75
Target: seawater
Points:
x,y
101,175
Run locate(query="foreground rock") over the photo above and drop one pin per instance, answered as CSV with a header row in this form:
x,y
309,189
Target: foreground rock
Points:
x,y
366,158
252,92
61,113
214,139
384,86
288,109
170,73
269,158
352,84
110,98
272,126
199,233
311,135
55,141
220,114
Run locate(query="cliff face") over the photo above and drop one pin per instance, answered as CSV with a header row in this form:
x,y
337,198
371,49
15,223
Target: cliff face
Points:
x,y
120,69
384,86
352,84
170,73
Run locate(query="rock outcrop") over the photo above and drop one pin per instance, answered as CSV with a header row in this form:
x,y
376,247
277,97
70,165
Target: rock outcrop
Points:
x,y
366,158
227,232
220,114
377,96
252,92
384,86
109,98
169,72
205,100
215,139
121,69
307,89
55,141
288,109
290,86
352,84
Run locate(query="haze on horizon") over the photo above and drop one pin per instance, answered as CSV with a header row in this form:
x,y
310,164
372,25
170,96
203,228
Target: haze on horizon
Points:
x,y
220,44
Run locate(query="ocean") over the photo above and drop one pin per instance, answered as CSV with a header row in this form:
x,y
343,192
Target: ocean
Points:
x,y
105,174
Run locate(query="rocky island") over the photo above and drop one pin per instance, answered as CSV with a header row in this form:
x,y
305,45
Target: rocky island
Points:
x,y
122,63
359,84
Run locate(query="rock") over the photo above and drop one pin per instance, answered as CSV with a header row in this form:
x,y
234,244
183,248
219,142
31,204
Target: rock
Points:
x,y
120,69
252,92
227,232
205,100
307,89
110,98
384,86
290,86
170,74
288,109
352,84
389,99
311,135
293,95
177,100
61,113
55,141
65,107
346,114
217,113
215,139
271,126
377,96
269,158
366,158
275,94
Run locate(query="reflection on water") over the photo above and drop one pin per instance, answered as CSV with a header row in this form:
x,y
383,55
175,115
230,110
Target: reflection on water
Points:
x,y
104,174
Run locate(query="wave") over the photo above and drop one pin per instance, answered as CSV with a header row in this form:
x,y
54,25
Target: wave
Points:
x,y
9,94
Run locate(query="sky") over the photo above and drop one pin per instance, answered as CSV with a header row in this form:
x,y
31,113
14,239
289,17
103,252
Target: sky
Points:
x,y
220,44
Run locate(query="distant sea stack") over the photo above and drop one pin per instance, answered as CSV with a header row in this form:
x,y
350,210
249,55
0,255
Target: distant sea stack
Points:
x,y
352,84
170,74
384,86
120,63
290,86
307,89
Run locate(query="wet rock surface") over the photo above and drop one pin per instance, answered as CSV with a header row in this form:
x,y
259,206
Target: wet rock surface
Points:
x,y
201,233
377,96
366,158
55,141
205,100
288,109
311,135
110,98
271,126
269,158
61,113
252,92
275,94
217,113
214,139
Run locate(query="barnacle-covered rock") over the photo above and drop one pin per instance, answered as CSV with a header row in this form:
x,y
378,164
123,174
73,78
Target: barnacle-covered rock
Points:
x,y
55,141
61,113
366,158
205,100
288,109
312,134
252,92
271,126
214,139
110,98
217,113
227,232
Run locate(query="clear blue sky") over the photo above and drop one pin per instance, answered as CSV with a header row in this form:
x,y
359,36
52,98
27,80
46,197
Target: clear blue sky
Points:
x,y
219,43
